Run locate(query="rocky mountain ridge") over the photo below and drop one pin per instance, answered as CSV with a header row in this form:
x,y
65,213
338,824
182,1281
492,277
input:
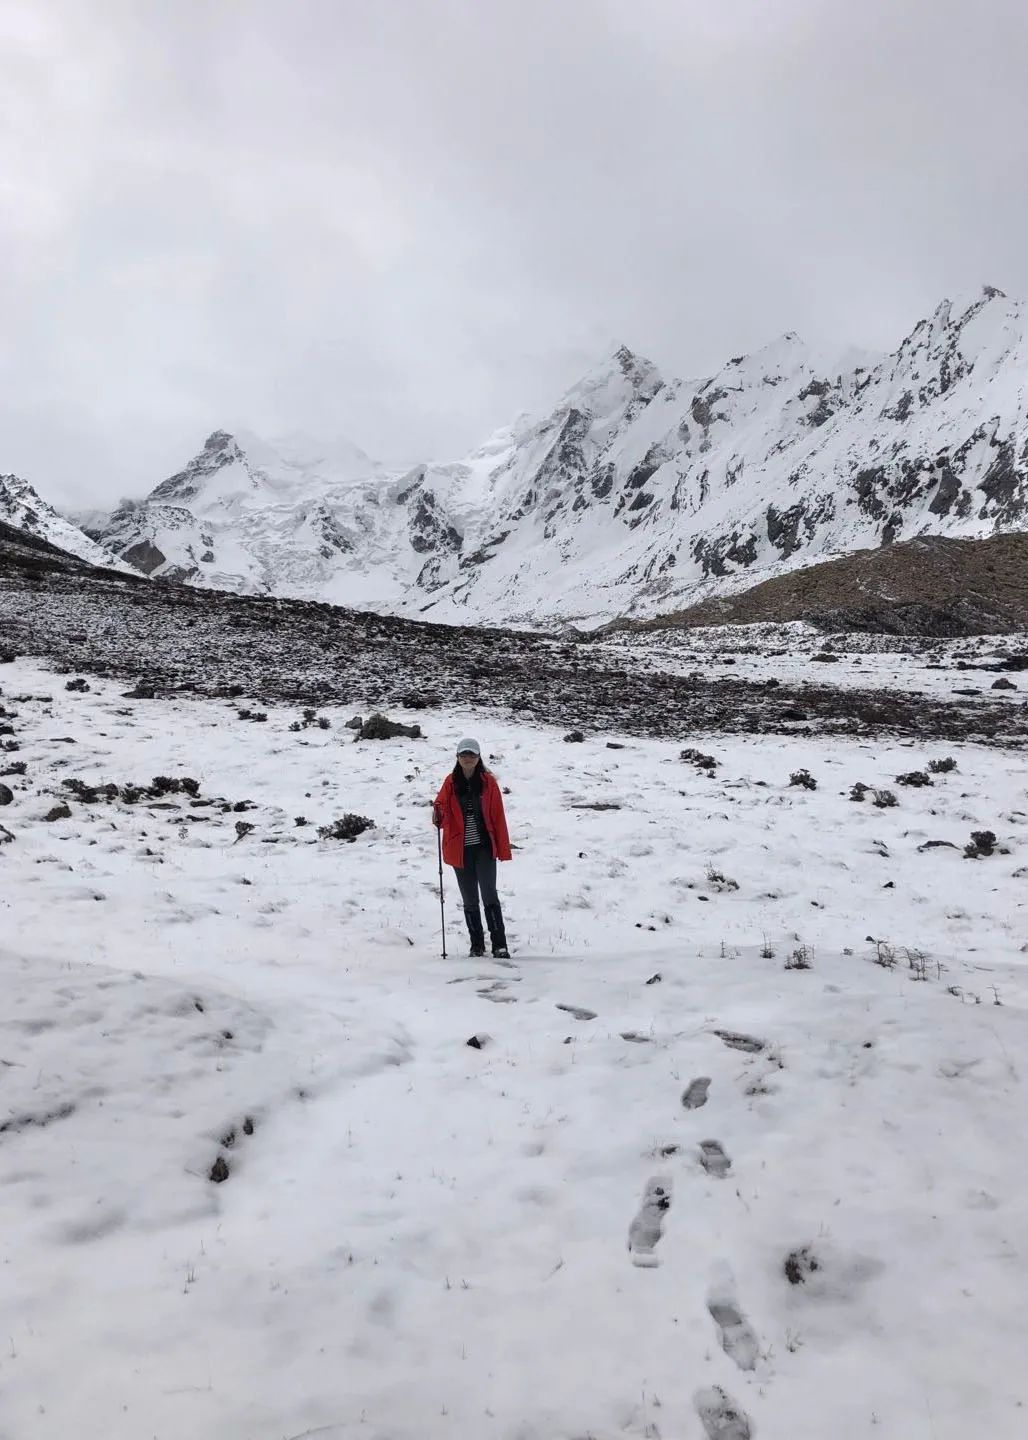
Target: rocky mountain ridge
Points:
x,y
634,495
24,510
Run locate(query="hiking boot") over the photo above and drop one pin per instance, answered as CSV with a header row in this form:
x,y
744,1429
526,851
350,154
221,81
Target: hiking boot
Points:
x,y
497,934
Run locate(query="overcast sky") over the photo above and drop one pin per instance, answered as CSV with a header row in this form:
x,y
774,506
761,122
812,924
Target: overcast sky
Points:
x,y
405,221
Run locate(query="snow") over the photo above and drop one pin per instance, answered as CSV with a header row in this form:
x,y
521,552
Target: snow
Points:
x,y
634,493
22,507
853,661
423,1239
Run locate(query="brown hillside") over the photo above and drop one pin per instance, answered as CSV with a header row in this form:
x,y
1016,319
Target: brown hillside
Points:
x,y
929,586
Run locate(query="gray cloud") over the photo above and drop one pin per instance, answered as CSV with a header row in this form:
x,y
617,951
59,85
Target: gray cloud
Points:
x,y
405,222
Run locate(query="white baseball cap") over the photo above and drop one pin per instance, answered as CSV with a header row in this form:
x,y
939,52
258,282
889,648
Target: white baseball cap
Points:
x,y
463,746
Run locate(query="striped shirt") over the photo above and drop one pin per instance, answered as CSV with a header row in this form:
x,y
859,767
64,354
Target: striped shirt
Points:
x,y
472,834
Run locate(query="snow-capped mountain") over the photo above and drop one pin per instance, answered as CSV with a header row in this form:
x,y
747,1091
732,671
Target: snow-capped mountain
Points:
x,y
21,507
634,494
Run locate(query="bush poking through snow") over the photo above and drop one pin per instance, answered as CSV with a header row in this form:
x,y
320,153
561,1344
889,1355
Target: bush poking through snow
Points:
x,y
915,778
91,794
243,828
574,737
885,799
348,828
719,881
160,786
918,963
859,791
698,758
982,843
311,717
79,686
885,954
804,779
172,785
802,958
888,957
380,727
59,812
942,767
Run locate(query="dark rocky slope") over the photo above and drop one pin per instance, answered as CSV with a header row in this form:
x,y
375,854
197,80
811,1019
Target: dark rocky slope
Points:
x,y
177,638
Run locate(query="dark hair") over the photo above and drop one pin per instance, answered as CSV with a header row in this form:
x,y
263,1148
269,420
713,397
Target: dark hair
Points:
x,y
473,782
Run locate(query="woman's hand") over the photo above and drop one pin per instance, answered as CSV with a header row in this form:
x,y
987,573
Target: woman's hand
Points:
x,y
437,818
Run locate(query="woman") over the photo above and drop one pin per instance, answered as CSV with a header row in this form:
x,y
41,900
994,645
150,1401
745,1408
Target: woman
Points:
x,y
469,809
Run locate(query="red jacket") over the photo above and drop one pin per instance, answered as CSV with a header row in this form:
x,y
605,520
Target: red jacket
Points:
x,y
447,807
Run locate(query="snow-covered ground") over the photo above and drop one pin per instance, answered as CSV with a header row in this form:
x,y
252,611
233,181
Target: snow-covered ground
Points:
x,y
798,653
420,1239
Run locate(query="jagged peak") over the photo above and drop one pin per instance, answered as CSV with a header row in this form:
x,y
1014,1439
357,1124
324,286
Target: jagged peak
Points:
x,y
16,485
218,440
629,362
955,310
786,352
603,383
277,465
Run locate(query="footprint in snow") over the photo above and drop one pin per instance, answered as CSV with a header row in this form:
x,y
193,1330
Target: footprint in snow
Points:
x,y
713,1158
720,1416
578,1011
735,1041
648,1225
738,1340
491,987
695,1093
497,994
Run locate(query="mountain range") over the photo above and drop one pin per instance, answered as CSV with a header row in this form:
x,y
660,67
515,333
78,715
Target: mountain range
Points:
x,y
25,511
635,494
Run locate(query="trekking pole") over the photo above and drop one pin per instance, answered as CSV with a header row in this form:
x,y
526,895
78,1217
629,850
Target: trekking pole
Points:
x,y
442,915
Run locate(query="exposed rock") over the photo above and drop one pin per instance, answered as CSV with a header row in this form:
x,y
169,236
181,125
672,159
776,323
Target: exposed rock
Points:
x,y
380,727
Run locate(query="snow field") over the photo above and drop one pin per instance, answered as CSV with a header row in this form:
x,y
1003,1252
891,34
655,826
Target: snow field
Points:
x,y
785,653
419,1238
